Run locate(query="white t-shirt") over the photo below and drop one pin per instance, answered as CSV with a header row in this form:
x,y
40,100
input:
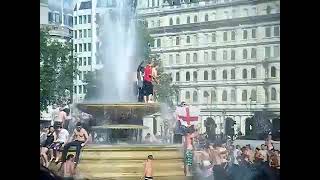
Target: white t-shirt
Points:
x,y
63,136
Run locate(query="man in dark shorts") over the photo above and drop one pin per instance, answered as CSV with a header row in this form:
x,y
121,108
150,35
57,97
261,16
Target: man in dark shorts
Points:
x,y
147,83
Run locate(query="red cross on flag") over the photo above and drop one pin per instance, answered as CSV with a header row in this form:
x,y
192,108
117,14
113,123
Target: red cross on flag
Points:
x,y
187,115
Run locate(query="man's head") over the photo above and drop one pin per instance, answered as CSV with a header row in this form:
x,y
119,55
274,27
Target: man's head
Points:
x,y
57,127
70,157
51,129
156,65
150,157
78,126
248,146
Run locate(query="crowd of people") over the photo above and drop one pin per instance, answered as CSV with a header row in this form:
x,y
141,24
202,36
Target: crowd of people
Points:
x,y
225,161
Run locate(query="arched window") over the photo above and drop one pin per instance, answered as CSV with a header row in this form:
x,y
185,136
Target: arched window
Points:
x,y
195,76
195,96
195,19
213,96
225,55
253,95
273,94
233,95
177,76
205,94
213,37
213,75
273,71
233,74
178,20
244,95
244,74
225,74
206,18
253,53
171,22
233,35
188,39
195,57
268,10
177,41
187,95
188,20
188,76
233,54
245,54
253,73
245,34
224,96
205,75
187,58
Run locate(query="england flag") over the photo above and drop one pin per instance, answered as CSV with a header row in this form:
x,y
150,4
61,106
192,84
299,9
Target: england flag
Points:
x,y
188,115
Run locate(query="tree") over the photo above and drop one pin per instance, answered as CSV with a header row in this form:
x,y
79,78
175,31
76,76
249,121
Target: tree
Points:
x,y
57,70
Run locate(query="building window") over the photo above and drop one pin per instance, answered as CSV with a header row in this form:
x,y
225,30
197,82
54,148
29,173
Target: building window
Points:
x,y
268,31
254,33
244,74
177,58
178,20
233,35
276,31
195,37
89,33
84,33
253,95
89,18
85,61
171,22
276,51
233,54
146,23
206,95
89,47
80,89
188,39
195,57
205,75
195,76
80,47
80,61
75,89
177,41
187,58
267,52
80,19
89,61
233,95
273,71
80,33
273,94
84,19
225,74
188,76
75,20
206,38
213,56
187,95
188,20
224,95
245,54
195,19
233,74
158,42
75,35
213,37
225,55
213,96
206,18
170,59
253,53
244,95
253,73
177,76
75,48
206,57
195,96
268,10
225,36
245,34
213,75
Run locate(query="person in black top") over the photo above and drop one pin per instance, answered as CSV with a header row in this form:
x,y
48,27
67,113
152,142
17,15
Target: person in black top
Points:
x,y
47,145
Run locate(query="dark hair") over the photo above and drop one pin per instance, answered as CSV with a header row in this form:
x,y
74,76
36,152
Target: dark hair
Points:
x,y
78,124
70,156
150,157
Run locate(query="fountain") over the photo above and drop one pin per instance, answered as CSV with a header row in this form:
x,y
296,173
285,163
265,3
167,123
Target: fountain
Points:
x,y
117,151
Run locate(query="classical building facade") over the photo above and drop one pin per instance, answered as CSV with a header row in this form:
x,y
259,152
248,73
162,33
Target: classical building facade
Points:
x,y
224,55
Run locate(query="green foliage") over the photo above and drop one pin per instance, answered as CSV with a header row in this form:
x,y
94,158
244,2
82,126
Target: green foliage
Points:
x,y
57,70
143,42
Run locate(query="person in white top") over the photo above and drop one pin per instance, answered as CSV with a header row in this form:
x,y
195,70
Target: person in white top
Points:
x,y
62,136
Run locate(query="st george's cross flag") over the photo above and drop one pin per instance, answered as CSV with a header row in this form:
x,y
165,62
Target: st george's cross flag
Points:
x,y
188,115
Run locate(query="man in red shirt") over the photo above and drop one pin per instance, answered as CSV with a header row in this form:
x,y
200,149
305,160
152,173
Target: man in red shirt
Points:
x,y
147,83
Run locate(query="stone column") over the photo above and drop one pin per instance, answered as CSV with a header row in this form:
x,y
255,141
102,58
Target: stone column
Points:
x,y
243,125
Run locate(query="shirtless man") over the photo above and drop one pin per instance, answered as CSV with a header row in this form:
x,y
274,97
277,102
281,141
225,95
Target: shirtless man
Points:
x,y
62,116
80,139
189,149
148,170
68,167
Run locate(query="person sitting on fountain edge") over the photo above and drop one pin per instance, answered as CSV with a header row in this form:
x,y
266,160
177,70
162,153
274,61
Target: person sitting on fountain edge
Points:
x,y
147,83
80,139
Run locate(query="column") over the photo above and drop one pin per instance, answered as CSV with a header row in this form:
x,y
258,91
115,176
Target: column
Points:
x,y
243,124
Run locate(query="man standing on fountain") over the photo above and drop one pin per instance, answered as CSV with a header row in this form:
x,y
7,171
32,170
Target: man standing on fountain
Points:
x,y
147,83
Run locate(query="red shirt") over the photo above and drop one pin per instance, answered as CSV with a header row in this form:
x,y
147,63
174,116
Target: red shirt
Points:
x,y
147,73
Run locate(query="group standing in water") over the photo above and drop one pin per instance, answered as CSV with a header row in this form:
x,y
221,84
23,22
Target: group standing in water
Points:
x,y
146,78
